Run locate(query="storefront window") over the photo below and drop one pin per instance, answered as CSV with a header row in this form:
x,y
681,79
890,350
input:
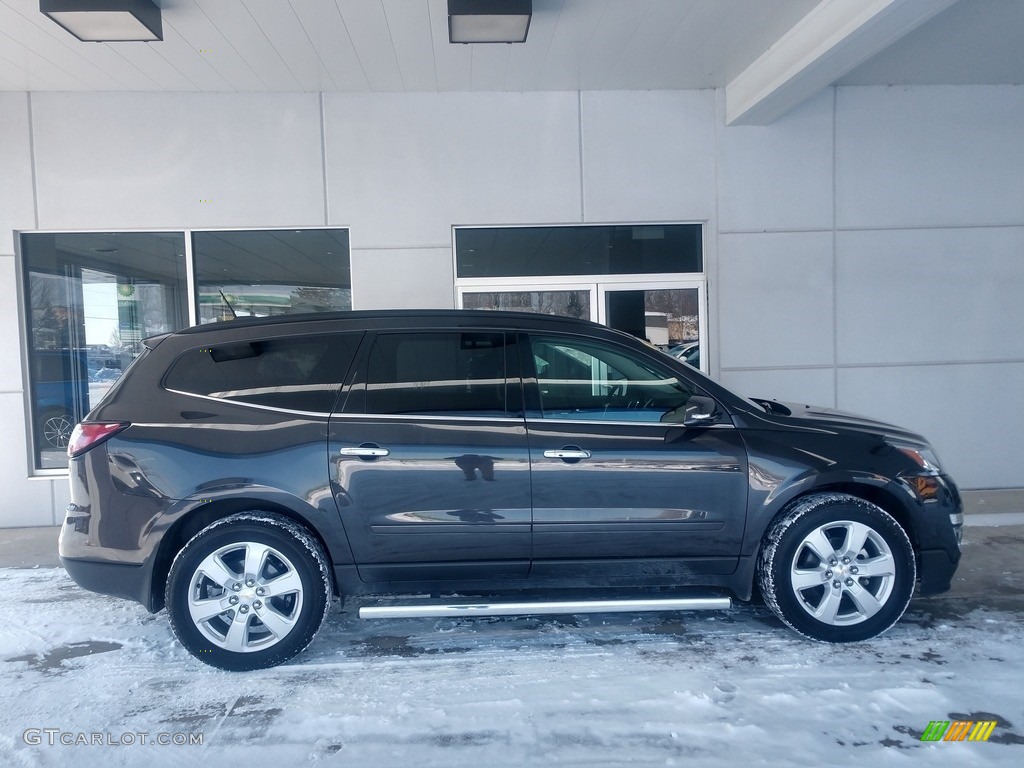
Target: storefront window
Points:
x,y
90,299
592,249
271,272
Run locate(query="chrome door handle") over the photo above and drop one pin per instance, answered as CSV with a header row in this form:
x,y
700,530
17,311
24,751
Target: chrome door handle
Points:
x,y
365,452
569,452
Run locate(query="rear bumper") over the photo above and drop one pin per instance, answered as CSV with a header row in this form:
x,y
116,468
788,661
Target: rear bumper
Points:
x,y
116,579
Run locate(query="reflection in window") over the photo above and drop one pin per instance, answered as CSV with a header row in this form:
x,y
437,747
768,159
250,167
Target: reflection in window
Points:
x,y
565,303
582,380
443,374
302,373
90,300
271,272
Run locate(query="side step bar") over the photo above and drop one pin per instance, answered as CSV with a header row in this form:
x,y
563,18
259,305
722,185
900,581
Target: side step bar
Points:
x,y
413,611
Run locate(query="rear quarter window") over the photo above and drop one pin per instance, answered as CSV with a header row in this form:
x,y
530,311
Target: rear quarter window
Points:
x,y
300,373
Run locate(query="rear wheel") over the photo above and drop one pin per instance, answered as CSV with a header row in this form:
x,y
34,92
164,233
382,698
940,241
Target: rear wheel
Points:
x,y
248,592
837,568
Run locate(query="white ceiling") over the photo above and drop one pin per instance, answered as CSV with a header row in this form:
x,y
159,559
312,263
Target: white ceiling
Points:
x,y
402,45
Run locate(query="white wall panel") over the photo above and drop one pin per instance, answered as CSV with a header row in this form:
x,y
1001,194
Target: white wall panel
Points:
x,y
971,413
777,176
403,279
813,386
136,160
775,299
24,502
934,156
924,295
10,329
403,168
648,155
16,209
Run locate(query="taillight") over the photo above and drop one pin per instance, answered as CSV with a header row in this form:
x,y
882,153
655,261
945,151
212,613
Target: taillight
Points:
x,y
90,434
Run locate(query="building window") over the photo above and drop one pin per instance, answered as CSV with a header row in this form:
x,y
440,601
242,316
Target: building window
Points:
x,y
91,297
644,279
271,272
641,249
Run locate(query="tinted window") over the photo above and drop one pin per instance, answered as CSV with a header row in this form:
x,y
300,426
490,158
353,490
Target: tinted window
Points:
x,y
302,373
592,249
460,374
591,381
256,273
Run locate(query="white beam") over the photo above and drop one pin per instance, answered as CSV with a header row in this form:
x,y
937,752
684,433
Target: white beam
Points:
x,y
824,45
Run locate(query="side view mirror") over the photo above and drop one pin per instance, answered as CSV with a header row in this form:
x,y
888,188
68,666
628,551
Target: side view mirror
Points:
x,y
700,411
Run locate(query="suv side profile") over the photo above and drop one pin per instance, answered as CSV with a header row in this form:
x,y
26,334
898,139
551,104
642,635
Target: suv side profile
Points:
x,y
245,474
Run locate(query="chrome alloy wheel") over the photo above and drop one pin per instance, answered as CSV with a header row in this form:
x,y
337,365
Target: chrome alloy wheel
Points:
x,y
244,597
843,573
57,430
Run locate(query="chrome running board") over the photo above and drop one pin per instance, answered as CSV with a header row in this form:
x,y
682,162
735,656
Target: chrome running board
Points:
x,y
413,611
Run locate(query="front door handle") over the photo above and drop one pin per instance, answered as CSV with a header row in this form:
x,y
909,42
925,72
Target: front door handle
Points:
x,y
365,451
570,454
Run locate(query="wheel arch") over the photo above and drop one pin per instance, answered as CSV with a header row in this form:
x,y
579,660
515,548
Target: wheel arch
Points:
x,y
199,517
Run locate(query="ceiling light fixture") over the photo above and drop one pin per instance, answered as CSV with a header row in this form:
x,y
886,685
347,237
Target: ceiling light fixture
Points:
x,y
107,21
489,21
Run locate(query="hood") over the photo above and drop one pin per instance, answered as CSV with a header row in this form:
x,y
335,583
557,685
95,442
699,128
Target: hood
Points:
x,y
830,418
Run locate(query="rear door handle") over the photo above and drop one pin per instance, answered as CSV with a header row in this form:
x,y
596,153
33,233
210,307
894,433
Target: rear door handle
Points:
x,y
365,451
569,453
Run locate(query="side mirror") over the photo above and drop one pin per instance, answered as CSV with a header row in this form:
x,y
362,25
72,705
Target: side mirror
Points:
x,y
700,412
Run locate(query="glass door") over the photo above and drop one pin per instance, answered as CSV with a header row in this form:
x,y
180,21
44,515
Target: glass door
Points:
x,y
670,316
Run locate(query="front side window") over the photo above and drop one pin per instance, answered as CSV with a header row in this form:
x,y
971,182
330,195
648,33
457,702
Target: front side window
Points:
x,y
585,380
302,373
440,374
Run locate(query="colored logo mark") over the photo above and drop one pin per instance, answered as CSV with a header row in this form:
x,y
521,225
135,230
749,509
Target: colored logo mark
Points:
x,y
958,730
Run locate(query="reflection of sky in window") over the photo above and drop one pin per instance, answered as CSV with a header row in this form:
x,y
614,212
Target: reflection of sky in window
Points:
x,y
99,302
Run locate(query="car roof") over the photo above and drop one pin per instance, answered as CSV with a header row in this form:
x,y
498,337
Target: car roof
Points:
x,y
384,318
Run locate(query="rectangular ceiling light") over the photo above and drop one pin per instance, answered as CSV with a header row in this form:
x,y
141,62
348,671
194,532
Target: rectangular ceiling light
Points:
x,y
489,21
107,21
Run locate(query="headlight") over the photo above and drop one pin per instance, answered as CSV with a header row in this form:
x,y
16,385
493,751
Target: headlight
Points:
x,y
922,455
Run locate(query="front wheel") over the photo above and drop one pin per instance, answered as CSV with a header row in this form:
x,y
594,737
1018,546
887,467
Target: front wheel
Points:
x,y
248,592
837,568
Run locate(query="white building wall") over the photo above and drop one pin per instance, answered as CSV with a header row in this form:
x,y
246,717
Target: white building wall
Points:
x,y
865,251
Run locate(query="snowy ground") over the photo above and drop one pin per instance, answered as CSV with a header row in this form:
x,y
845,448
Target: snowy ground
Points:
x,y
709,689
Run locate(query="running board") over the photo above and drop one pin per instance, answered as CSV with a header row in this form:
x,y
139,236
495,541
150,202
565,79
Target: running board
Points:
x,y
536,609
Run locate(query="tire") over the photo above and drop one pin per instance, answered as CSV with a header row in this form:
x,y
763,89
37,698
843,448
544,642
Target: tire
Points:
x,y
836,568
55,428
248,592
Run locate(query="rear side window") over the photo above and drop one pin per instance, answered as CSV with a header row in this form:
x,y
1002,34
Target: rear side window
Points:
x,y
301,373
444,374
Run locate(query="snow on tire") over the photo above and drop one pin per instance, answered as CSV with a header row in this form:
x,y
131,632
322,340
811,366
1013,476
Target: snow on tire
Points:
x,y
837,568
249,591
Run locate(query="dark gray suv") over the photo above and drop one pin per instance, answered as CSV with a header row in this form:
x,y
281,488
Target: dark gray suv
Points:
x,y
246,473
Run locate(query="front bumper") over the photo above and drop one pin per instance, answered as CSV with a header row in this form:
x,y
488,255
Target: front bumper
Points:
x,y
936,567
